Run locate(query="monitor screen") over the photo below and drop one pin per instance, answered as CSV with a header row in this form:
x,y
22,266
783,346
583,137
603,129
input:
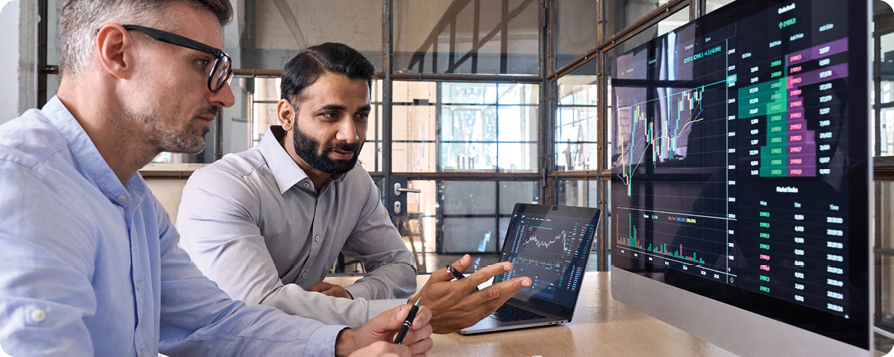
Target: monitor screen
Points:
x,y
551,245
740,162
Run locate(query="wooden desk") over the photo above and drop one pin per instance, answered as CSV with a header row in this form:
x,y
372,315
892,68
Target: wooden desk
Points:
x,y
601,327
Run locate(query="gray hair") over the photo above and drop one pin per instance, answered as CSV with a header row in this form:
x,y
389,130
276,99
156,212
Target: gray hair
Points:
x,y
81,18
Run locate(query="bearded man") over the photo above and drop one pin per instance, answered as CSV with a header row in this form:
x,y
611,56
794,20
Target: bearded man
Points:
x,y
266,224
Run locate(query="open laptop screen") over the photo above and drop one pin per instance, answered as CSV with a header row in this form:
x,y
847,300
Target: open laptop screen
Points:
x,y
549,244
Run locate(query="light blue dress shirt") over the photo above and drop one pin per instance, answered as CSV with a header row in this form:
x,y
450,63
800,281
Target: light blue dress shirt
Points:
x,y
92,267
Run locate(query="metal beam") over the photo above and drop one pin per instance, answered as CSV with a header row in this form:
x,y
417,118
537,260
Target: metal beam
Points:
x,y
470,176
533,79
545,144
474,51
387,92
634,29
451,13
42,53
291,22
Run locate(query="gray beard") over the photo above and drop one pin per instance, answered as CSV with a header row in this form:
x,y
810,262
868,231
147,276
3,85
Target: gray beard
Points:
x,y
188,141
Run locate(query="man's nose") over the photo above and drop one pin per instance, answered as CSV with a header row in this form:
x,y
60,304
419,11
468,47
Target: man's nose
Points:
x,y
224,97
347,131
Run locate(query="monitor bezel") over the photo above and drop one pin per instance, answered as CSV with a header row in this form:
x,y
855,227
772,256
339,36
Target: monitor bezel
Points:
x,y
851,332
593,214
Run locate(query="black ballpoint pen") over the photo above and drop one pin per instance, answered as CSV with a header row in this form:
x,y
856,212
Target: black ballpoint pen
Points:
x,y
407,323
457,274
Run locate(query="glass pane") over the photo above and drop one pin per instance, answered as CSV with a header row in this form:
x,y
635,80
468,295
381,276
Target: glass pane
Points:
x,y
379,125
607,217
885,202
885,280
575,29
413,157
517,93
578,193
468,157
517,157
413,122
371,156
575,156
462,235
376,95
466,37
579,88
421,211
576,138
52,85
469,93
267,89
576,123
676,20
414,92
711,5
468,123
621,13
237,134
886,128
468,197
512,192
54,40
276,30
262,94
886,51
264,117
518,123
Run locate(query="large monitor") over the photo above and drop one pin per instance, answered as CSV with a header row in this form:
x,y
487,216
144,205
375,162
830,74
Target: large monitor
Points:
x,y
740,189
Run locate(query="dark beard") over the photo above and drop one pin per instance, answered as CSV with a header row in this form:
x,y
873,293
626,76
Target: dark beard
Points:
x,y
307,149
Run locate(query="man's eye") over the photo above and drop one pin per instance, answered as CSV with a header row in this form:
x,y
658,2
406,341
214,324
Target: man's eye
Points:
x,y
202,63
363,116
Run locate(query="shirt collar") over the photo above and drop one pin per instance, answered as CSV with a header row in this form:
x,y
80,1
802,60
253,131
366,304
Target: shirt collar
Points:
x,y
285,170
93,165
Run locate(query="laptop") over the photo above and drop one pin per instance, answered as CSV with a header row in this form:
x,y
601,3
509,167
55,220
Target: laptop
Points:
x,y
551,245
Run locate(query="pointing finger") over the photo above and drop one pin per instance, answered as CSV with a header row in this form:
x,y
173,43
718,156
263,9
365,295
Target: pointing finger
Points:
x,y
462,264
487,273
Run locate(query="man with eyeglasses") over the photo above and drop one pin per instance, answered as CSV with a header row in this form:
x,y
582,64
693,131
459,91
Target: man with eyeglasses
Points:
x,y
91,263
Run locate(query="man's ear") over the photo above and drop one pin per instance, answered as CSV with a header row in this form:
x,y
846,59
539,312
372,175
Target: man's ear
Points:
x,y
115,50
286,114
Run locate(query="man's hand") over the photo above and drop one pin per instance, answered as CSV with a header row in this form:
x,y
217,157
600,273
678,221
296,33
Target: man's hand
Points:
x,y
456,304
331,290
382,349
383,328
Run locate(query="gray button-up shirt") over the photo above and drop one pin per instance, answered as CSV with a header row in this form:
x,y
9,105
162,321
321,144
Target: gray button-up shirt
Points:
x,y
253,223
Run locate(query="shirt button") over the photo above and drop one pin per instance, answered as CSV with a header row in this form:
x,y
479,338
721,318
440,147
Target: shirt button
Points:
x,y
304,275
138,285
306,184
317,238
122,198
38,315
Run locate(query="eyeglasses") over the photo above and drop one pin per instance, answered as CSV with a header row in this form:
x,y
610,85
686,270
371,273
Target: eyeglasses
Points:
x,y
221,71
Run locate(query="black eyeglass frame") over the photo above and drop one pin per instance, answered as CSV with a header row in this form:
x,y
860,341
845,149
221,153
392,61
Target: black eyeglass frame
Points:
x,y
181,41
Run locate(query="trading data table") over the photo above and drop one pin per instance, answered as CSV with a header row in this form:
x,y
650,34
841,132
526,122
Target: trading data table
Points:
x,y
730,147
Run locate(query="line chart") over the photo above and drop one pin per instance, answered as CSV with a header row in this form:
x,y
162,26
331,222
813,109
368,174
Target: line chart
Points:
x,y
663,142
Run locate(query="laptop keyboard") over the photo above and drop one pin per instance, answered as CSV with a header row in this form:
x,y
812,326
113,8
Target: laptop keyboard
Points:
x,y
509,313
